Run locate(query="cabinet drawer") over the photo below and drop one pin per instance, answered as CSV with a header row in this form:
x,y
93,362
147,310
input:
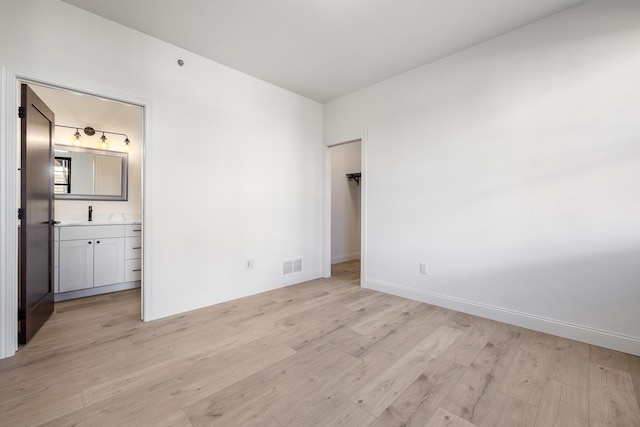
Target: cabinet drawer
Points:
x,y
132,270
133,230
91,232
133,247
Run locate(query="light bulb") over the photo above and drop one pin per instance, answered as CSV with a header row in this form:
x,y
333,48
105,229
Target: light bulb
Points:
x,y
76,138
104,141
127,143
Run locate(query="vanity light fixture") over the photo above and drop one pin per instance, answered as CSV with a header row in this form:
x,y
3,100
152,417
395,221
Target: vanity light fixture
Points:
x,y
91,131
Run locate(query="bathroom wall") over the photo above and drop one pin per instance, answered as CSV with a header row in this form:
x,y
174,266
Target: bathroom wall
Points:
x,y
73,109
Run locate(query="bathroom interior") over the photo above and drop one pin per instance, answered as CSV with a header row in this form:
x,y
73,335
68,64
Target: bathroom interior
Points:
x,y
97,193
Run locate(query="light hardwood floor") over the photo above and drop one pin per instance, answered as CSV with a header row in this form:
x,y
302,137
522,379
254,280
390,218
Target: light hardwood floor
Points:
x,y
323,353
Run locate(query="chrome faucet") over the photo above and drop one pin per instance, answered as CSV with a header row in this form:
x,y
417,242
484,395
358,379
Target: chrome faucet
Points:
x,y
90,213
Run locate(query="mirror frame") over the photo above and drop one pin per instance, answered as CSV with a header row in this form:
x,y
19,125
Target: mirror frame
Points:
x,y
123,178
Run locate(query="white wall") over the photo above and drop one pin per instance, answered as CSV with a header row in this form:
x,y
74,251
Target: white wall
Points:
x,y
345,203
513,169
232,167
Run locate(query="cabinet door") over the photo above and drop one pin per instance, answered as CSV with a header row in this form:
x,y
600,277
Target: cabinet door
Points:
x,y
75,265
108,261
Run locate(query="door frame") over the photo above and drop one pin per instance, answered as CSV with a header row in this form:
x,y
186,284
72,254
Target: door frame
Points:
x,y
9,102
341,139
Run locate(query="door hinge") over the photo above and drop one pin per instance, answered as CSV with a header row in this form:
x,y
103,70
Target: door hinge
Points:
x,y
22,315
20,213
21,112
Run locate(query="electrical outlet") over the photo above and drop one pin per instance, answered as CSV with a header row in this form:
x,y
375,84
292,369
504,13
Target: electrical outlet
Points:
x,y
250,264
423,268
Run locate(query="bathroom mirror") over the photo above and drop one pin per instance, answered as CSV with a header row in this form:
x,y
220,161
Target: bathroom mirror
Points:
x,y
82,173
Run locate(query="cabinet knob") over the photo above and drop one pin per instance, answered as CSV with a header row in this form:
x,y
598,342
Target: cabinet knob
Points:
x,y
98,241
89,242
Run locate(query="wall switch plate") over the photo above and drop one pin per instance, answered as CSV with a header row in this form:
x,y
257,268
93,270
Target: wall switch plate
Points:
x,y
423,268
250,264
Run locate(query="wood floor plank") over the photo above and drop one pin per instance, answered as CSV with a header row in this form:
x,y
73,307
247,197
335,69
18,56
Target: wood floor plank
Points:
x,y
366,300
473,339
611,398
176,419
136,413
383,321
528,374
312,404
42,408
606,357
416,405
570,363
376,396
387,348
345,414
563,406
502,347
160,396
634,370
507,411
444,418
255,395
149,377
81,369
471,397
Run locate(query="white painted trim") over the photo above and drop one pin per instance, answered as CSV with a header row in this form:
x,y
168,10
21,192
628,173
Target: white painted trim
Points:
x,y
8,218
331,141
198,302
364,185
9,186
344,258
326,214
624,343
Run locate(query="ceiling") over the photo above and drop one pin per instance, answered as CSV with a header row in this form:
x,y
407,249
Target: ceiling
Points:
x,y
324,49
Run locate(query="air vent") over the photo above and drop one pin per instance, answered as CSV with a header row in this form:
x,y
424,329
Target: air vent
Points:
x,y
291,267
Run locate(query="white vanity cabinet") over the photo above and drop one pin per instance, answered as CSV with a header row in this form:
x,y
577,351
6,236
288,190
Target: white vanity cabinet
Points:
x,y
94,259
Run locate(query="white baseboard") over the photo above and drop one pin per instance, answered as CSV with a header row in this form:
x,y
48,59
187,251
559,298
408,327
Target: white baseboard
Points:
x,y
612,340
344,258
195,303
81,293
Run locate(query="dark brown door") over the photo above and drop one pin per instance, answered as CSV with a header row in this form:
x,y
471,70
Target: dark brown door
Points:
x,y
36,226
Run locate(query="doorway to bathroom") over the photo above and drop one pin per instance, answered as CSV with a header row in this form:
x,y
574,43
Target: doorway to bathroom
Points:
x,y
97,158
